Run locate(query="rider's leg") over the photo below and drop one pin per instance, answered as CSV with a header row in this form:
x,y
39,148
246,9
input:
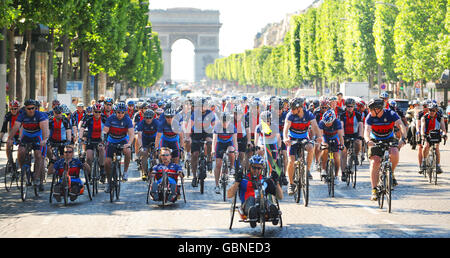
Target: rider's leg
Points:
x,y
375,162
290,168
127,154
394,156
309,159
39,165
217,170
144,160
89,158
337,160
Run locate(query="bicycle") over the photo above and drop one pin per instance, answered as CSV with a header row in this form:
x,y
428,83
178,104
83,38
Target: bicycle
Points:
x,y
116,172
95,171
262,201
330,166
27,176
301,179
385,181
430,163
223,180
151,159
11,172
202,167
350,167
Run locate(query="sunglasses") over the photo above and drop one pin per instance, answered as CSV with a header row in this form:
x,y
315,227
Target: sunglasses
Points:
x,y
350,106
120,113
57,112
257,168
68,152
14,108
165,155
108,104
31,108
433,110
168,116
324,107
98,112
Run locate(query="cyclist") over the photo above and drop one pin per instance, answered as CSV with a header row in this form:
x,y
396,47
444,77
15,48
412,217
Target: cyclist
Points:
x,y
432,122
296,127
92,129
425,110
224,141
120,131
281,119
173,170
340,102
380,126
202,127
243,132
353,128
168,136
331,129
10,118
74,166
385,97
76,118
244,183
147,130
108,107
60,132
54,104
393,106
268,140
35,130
131,109
324,106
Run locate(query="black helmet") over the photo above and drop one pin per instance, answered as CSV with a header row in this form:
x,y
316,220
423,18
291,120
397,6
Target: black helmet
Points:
x,y
29,102
376,103
350,101
58,109
296,102
149,113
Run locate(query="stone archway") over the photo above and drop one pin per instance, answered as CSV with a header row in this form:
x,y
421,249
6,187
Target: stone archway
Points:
x,y
201,27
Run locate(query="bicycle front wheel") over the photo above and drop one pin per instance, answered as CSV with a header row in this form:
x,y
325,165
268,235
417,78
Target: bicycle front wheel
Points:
x,y
330,177
389,189
9,176
118,179
305,187
297,193
23,183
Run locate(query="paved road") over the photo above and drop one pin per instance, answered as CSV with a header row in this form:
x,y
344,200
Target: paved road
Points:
x,y
419,210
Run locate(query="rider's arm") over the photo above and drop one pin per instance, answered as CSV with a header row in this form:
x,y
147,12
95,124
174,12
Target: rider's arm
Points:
x,y
214,143
69,135
157,139
341,136
399,124
140,138
45,130
367,131
13,132
235,143
316,130
287,124
233,189
443,126
130,135
360,129
422,126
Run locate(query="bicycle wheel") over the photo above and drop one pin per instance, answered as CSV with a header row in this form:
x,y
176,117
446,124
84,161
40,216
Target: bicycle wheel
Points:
x,y
187,165
389,182
113,183
94,179
262,213
381,190
305,187
23,183
435,176
232,210
119,179
65,187
353,176
182,188
149,189
86,183
51,187
9,176
330,177
297,193
165,189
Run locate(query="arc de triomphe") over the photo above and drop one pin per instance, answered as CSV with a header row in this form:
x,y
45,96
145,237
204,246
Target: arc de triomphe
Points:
x,y
201,27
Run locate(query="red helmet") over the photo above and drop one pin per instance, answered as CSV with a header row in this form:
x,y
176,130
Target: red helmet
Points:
x,y
14,103
154,106
97,106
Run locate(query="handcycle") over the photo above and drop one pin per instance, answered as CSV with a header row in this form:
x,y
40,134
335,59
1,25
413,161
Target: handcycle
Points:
x,y
164,191
430,163
262,201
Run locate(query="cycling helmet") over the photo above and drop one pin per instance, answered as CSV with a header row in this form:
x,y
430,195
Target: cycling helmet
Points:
x,y
120,107
65,108
316,103
58,109
296,102
89,109
350,101
130,102
333,98
149,114
362,102
433,105
384,95
109,100
256,159
265,116
169,112
97,106
30,102
329,117
153,106
376,103
393,104
56,102
14,103
324,103
159,111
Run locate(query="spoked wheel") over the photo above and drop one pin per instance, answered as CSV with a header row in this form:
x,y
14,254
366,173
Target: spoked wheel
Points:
x,y
381,191
10,176
119,179
353,176
65,188
330,177
113,183
94,175
23,183
52,187
150,181
279,213
305,187
232,210
182,188
298,190
86,183
389,190
262,215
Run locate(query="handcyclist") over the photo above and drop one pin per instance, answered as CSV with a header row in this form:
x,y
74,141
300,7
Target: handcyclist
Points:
x,y
60,132
331,128
432,122
380,126
244,184
74,166
296,127
147,130
224,142
91,131
120,131
173,170
353,129
35,130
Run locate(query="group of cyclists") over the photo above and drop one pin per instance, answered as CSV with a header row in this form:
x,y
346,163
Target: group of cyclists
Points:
x,y
255,135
